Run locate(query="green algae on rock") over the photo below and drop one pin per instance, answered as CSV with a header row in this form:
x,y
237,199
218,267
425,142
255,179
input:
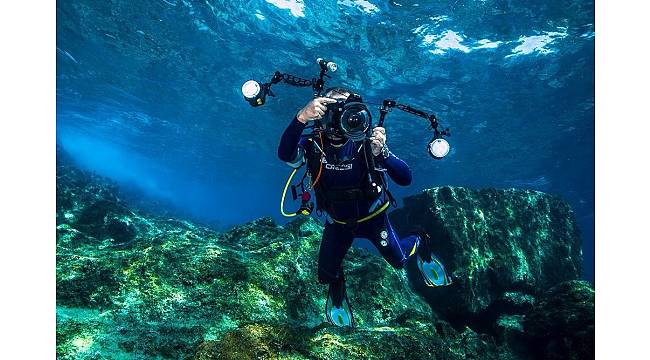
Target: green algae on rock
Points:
x,y
173,289
133,285
561,325
420,343
501,246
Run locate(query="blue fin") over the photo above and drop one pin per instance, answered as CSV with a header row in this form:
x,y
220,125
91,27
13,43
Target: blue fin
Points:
x,y
433,272
339,316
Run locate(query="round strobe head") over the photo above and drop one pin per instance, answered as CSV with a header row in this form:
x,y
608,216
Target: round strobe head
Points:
x,y
438,148
251,89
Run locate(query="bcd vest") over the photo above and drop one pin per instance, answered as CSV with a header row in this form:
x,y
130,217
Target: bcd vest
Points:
x,y
369,190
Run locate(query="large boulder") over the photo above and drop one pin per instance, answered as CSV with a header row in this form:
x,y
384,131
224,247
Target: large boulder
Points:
x,y
503,248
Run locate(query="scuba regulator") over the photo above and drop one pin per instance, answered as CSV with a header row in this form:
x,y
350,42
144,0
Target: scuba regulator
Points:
x,y
350,118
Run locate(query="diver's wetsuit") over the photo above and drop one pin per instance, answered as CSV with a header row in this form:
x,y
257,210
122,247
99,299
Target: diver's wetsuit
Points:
x,y
349,171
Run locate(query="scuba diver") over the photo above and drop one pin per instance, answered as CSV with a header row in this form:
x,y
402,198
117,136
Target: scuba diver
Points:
x,y
348,178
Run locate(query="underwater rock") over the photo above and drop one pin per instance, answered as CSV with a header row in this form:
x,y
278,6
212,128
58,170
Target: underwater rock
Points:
x,y
89,204
509,330
561,325
133,285
502,247
398,343
179,290
121,230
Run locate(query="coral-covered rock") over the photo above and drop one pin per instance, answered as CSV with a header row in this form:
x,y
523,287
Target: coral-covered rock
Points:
x,y
561,324
399,343
132,285
496,244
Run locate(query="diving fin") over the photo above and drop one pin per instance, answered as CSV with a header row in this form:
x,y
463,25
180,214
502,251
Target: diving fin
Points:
x,y
337,307
433,271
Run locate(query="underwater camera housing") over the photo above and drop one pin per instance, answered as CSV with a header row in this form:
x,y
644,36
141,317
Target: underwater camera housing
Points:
x,y
349,118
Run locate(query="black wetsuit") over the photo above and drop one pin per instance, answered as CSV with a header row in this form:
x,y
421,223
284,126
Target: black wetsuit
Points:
x,y
344,168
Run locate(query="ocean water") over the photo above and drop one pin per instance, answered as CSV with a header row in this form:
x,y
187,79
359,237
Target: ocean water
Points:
x,y
148,94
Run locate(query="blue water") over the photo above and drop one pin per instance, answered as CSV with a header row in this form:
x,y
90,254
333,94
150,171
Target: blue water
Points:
x,y
148,94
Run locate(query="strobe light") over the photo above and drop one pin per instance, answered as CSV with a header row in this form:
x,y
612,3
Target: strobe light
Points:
x,y
330,65
252,91
438,148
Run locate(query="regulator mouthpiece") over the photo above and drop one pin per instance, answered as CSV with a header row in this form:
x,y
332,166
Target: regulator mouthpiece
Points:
x,y
252,91
438,148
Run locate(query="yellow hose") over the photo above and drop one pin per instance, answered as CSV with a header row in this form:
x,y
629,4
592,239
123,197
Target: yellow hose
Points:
x,y
284,194
367,217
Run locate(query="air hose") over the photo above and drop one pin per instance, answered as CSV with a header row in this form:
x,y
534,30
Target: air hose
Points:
x,y
284,194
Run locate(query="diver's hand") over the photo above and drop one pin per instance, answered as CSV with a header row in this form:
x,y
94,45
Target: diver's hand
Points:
x,y
314,110
377,140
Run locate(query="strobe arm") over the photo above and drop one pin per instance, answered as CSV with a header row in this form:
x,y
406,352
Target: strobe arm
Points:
x,y
316,84
255,93
438,147
289,79
388,104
